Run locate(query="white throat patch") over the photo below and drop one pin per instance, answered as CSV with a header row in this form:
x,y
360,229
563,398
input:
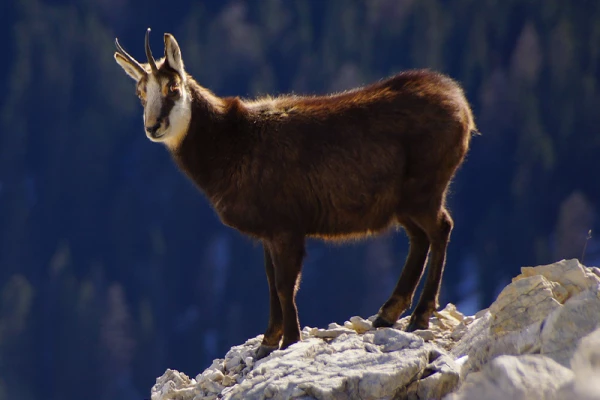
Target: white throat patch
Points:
x,y
180,117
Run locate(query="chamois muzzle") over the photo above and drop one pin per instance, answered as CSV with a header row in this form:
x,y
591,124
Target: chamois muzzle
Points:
x,y
149,54
153,129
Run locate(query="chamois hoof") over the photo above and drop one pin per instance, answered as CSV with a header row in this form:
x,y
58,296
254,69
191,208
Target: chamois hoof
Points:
x,y
382,323
264,351
416,324
287,343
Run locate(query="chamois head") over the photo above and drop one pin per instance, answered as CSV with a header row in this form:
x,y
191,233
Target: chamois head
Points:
x,y
161,87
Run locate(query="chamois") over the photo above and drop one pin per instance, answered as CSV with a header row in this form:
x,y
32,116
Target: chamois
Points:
x,y
345,165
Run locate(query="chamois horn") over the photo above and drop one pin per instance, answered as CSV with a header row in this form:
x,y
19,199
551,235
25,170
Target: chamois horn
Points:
x,y
149,54
131,60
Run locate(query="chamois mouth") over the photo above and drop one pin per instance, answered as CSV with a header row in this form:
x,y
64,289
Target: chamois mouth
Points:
x,y
157,131
156,135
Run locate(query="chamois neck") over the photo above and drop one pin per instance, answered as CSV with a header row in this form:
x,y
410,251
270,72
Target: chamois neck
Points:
x,y
216,135
203,105
205,98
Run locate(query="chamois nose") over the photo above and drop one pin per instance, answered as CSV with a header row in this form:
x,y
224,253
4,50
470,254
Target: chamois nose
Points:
x,y
152,129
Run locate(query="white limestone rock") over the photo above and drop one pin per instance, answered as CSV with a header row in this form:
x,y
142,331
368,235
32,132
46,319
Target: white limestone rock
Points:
x,y
372,366
524,302
360,325
440,377
479,345
330,333
564,328
174,384
523,377
585,365
570,274
533,314
322,370
530,343
393,340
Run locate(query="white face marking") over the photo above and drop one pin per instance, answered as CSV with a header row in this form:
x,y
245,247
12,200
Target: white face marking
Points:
x,y
153,103
173,131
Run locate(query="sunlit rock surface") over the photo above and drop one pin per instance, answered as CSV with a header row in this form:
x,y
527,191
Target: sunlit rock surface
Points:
x,y
539,340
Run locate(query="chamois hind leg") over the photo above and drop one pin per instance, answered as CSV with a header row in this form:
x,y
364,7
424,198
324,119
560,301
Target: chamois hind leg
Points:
x,y
274,331
438,228
402,296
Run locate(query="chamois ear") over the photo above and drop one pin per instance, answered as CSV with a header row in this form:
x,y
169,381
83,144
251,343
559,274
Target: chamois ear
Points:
x,y
132,70
173,55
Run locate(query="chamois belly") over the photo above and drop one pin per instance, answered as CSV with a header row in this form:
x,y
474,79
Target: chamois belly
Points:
x,y
353,218
356,198
328,216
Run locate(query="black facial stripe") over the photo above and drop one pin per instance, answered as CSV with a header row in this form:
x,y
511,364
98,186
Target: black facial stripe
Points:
x,y
167,106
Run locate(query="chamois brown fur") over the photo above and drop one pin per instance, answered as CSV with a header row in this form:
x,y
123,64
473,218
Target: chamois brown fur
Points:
x,y
337,166
340,166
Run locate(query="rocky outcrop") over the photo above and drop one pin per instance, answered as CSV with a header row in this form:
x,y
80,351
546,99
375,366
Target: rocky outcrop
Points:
x,y
539,340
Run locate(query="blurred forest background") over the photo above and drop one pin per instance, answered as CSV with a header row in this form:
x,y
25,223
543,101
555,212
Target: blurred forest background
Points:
x,y
113,267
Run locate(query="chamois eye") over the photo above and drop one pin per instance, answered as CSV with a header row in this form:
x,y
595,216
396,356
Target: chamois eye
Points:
x,y
174,87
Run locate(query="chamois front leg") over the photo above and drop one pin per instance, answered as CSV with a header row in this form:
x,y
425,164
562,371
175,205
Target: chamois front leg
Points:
x,y
287,252
274,330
